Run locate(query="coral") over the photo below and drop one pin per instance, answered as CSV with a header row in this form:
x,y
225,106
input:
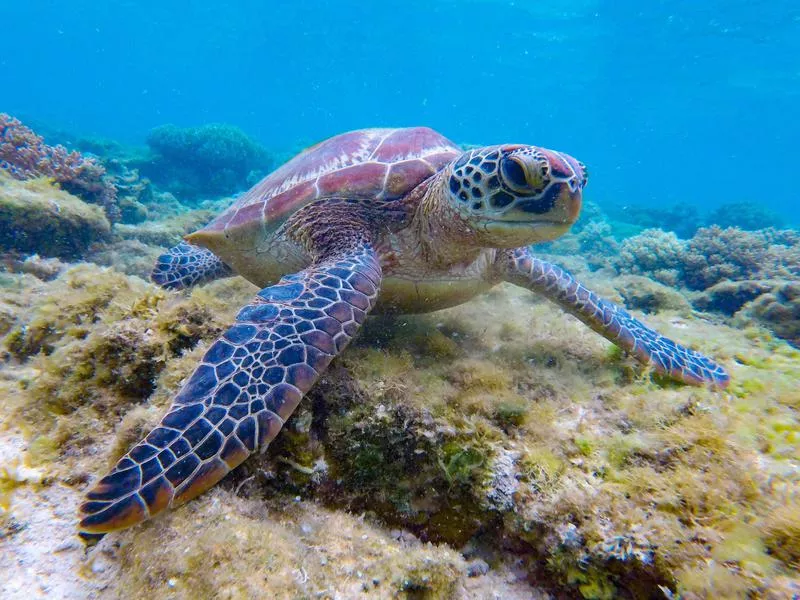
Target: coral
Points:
x,y
210,160
135,194
655,253
749,216
714,254
37,217
597,244
24,155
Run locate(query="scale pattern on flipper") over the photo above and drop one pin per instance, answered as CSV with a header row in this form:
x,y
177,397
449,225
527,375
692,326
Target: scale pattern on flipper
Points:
x,y
185,265
249,382
669,358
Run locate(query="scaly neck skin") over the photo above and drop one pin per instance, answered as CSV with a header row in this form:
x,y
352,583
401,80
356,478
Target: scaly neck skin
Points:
x,y
445,237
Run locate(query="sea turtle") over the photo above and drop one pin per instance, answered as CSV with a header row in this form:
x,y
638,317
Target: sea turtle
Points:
x,y
389,220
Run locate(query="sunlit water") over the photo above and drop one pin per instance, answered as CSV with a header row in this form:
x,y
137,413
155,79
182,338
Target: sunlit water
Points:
x,y
683,101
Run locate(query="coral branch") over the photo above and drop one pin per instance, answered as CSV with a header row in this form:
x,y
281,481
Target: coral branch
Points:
x,y
25,155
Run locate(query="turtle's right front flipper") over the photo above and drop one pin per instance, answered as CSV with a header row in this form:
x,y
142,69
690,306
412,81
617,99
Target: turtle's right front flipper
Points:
x,y
249,382
185,265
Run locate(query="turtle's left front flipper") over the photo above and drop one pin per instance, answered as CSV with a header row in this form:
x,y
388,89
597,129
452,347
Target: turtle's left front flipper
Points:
x,y
521,268
185,265
249,382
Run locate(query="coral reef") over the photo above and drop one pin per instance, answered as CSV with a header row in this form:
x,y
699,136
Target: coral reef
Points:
x,y
24,155
749,216
165,232
656,253
134,192
650,296
39,218
206,161
686,219
715,254
682,219
728,297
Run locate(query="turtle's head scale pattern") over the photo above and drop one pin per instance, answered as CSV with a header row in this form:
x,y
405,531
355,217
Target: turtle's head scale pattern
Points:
x,y
519,194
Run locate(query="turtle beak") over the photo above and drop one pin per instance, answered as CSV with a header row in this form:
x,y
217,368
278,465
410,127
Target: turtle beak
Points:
x,y
574,203
571,177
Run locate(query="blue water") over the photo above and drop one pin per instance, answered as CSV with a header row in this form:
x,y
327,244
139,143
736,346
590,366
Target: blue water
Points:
x,y
685,101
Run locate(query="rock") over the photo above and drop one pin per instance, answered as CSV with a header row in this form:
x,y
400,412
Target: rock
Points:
x,y
642,293
37,217
779,309
729,297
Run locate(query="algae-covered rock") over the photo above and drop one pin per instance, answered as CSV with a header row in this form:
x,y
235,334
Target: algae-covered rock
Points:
x,y
503,430
224,546
778,309
728,297
38,217
94,346
131,257
644,294
166,232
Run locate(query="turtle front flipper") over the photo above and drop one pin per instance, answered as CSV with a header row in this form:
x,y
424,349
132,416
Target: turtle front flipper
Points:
x,y
249,382
521,268
185,265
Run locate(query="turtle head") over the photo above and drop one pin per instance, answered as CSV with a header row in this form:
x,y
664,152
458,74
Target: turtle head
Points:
x,y
515,195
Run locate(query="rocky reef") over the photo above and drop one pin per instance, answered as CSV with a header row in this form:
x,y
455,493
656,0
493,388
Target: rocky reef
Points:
x,y
497,447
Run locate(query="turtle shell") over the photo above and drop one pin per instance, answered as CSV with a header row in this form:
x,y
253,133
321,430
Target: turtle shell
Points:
x,y
368,163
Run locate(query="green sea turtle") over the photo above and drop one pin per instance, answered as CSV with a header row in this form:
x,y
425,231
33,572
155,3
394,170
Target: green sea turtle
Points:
x,y
389,220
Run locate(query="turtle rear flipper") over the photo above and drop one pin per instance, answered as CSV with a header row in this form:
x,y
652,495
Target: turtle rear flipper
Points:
x,y
669,358
185,265
249,382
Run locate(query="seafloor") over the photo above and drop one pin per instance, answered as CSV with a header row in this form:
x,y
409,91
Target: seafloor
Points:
x,y
498,449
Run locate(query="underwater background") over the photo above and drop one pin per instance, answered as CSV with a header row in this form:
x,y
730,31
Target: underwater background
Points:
x,y
498,449
666,101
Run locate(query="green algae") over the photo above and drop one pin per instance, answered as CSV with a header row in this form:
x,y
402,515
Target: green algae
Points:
x,y
37,216
93,348
223,546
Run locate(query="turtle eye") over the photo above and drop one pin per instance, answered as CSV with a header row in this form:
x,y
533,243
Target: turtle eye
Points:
x,y
514,174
